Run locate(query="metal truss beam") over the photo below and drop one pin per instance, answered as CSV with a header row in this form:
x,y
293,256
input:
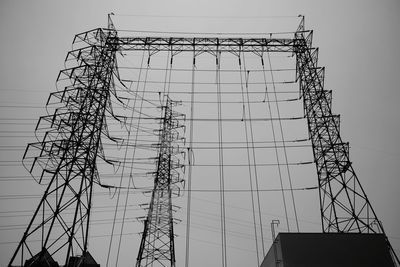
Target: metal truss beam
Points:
x,y
205,45
200,45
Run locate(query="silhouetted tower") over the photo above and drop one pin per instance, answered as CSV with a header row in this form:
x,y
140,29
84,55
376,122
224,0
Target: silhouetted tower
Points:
x,y
157,244
65,158
344,205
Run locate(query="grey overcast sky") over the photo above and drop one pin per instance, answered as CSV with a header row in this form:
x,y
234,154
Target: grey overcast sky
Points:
x,y
358,43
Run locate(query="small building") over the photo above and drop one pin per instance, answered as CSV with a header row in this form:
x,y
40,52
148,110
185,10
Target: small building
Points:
x,y
328,250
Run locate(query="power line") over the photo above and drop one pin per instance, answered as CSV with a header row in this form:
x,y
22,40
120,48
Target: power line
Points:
x,y
207,16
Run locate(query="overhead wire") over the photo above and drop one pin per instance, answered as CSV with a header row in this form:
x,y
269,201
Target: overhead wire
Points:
x,y
221,159
266,97
283,142
190,157
133,233
248,159
213,92
195,142
249,210
101,209
196,164
206,16
208,83
205,70
209,33
156,118
203,227
181,101
254,154
122,89
143,100
121,177
141,190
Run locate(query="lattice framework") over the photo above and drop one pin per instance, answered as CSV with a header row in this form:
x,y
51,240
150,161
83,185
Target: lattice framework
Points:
x,y
344,204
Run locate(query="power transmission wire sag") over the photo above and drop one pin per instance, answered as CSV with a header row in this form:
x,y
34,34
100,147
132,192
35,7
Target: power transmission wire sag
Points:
x,y
221,160
283,142
248,159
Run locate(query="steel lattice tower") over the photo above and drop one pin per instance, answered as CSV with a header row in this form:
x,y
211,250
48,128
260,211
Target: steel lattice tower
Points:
x,y
65,159
344,205
157,244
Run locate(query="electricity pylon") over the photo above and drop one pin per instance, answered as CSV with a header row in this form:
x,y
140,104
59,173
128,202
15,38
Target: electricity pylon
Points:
x,y
157,244
344,205
65,158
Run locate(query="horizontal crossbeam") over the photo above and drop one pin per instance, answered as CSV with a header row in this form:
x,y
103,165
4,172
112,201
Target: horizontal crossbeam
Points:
x,y
204,45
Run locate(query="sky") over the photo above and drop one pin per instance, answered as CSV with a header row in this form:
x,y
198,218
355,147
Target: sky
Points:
x,y
358,43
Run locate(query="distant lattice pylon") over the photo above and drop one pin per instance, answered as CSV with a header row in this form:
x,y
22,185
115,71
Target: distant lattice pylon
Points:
x,y
157,245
